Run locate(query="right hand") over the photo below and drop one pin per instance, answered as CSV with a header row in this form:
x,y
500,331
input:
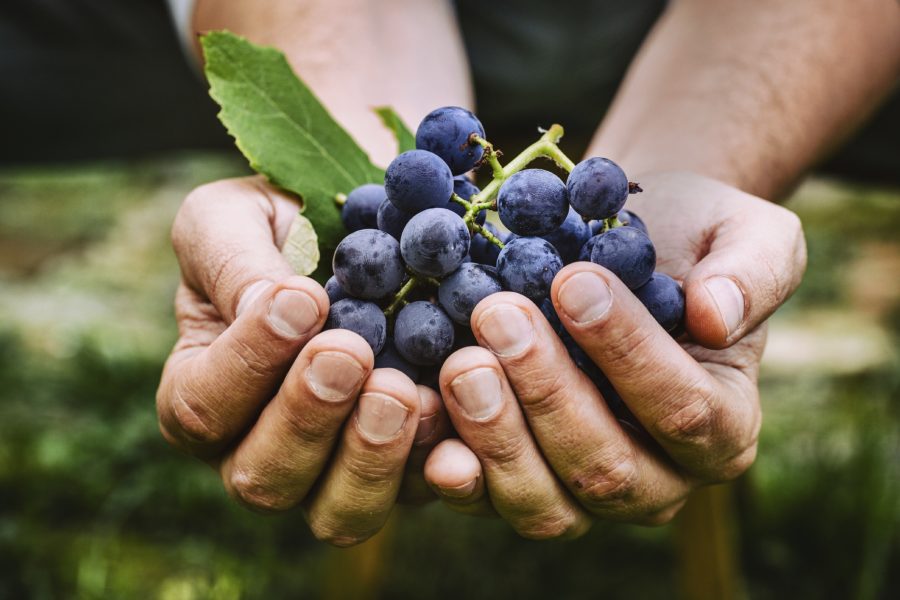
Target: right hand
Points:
x,y
287,415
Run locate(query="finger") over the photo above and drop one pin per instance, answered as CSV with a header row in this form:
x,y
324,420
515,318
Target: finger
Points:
x,y
209,395
433,427
277,462
522,488
224,240
454,473
707,424
756,260
609,472
359,488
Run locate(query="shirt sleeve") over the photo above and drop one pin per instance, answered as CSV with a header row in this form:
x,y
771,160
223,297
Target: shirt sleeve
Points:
x,y
182,12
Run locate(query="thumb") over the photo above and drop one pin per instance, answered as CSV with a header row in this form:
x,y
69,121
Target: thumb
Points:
x,y
225,238
755,262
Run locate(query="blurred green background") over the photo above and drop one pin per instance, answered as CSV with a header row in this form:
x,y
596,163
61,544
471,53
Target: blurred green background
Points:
x,y
93,503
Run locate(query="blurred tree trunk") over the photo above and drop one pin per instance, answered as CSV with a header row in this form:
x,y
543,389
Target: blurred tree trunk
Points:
x,y
357,572
706,544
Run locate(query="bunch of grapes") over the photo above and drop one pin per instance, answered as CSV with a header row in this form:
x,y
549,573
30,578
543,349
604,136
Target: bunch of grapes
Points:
x,y
421,255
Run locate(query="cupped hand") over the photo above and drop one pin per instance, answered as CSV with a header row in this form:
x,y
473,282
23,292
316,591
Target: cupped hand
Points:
x,y
289,416
540,447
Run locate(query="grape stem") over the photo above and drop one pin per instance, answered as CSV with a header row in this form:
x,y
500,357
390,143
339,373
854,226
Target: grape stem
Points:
x,y
400,297
547,147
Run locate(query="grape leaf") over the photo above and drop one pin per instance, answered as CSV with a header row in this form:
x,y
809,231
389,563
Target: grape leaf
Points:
x,y
405,139
285,132
301,249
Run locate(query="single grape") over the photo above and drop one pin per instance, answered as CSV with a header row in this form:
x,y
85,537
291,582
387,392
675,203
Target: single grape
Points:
x,y
460,291
628,253
418,180
360,317
423,334
389,358
435,242
334,290
585,253
446,131
632,220
391,219
527,265
360,210
368,265
597,188
664,298
465,189
483,250
569,237
532,202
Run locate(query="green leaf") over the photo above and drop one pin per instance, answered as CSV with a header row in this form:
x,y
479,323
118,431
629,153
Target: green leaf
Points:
x,y
284,131
405,139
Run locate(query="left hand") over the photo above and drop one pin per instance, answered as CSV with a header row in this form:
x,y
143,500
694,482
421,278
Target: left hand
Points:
x,y
541,447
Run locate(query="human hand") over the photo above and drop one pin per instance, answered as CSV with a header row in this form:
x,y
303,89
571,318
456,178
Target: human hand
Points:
x,y
540,446
256,391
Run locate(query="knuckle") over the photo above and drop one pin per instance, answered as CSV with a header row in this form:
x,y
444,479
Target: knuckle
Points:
x,y
187,213
370,472
251,361
735,466
194,422
250,490
694,423
661,517
632,350
324,530
563,525
613,483
547,393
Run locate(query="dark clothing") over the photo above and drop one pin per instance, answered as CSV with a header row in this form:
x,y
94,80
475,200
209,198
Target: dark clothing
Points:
x,y
86,79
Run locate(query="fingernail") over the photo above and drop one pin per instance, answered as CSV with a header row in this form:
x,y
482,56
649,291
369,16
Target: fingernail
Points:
x,y
461,491
426,428
333,376
728,299
253,291
585,297
478,393
380,416
506,329
293,313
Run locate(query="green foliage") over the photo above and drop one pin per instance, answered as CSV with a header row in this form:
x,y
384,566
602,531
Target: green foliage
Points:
x,y
284,131
405,138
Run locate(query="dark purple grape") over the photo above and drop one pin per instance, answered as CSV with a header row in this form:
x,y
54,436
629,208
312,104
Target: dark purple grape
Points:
x,y
360,317
423,334
664,298
392,220
334,290
368,265
435,242
597,188
532,202
628,253
446,131
389,358
549,312
360,210
585,253
418,180
632,220
569,237
464,288
527,265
